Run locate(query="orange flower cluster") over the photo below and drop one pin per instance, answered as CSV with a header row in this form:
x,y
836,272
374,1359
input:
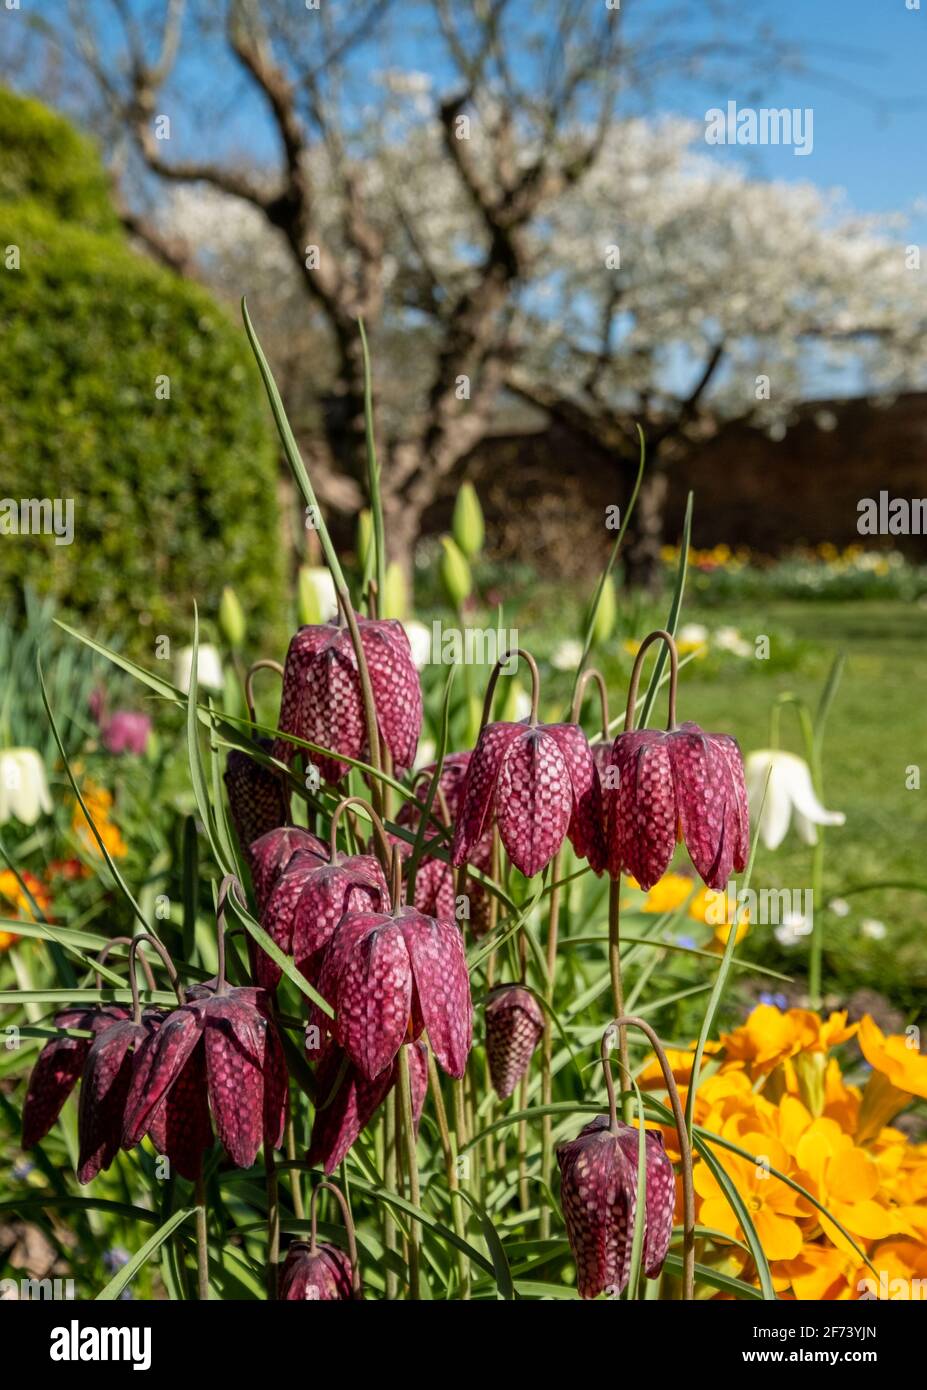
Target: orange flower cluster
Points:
x,y
773,1090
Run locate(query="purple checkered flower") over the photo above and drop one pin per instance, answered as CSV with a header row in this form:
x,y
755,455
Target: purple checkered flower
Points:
x,y
322,701
514,1027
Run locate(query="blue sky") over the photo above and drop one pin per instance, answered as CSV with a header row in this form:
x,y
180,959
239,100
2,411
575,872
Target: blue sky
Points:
x,y
868,94
867,88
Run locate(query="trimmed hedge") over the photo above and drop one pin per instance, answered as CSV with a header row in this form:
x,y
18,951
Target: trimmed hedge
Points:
x,y
172,497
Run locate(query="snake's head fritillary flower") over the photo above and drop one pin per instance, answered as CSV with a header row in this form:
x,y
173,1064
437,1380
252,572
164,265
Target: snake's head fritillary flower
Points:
x,y
237,1062
598,1172
347,1101
59,1066
258,799
105,1082
127,731
540,783
391,976
271,854
240,1059
514,1027
674,785
435,891
322,701
315,1276
682,784
308,902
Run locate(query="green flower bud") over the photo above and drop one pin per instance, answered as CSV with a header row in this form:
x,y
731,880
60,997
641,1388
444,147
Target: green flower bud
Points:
x,y
231,618
606,614
395,600
455,573
467,525
316,599
364,539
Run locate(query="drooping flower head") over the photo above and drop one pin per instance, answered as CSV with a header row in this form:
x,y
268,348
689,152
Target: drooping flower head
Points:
x,y
540,784
312,895
244,1075
323,702
599,1185
347,1101
514,1027
677,784
271,853
389,976
258,798
314,1272
435,891
59,1066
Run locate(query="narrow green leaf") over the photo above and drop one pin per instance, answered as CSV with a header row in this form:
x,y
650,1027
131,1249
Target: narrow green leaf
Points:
x,y
124,1276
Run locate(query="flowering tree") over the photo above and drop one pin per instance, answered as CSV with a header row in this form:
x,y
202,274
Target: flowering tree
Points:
x,y
428,204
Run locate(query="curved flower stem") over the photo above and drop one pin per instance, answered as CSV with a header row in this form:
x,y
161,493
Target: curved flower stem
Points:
x,y
348,1228
591,674
621,1024
411,1148
660,635
102,955
385,850
168,964
202,1241
494,675
614,964
265,664
395,880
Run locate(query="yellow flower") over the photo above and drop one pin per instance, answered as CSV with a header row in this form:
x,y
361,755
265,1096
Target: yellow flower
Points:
x,y
898,1073
770,1036
15,902
99,803
774,1208
846,1180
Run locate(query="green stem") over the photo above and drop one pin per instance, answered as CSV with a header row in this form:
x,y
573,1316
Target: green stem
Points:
x,y
614,970
411,1150
202,1242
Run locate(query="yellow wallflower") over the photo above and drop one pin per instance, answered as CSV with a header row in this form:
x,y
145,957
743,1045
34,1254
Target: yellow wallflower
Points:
x,y
14,902
898,1073
99,804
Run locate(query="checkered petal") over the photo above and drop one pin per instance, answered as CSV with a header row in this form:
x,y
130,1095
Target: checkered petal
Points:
x,y
586,829
354,884
533,800
367,978
661,1194
738,809
297,673
258,800
58,1068
323,1275
442,987
180,1127
235,1047
105,1083
598,1193
705,797
347,1103
397,692
159,1062
514,1027
271,854
478,791
279,916
641,812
